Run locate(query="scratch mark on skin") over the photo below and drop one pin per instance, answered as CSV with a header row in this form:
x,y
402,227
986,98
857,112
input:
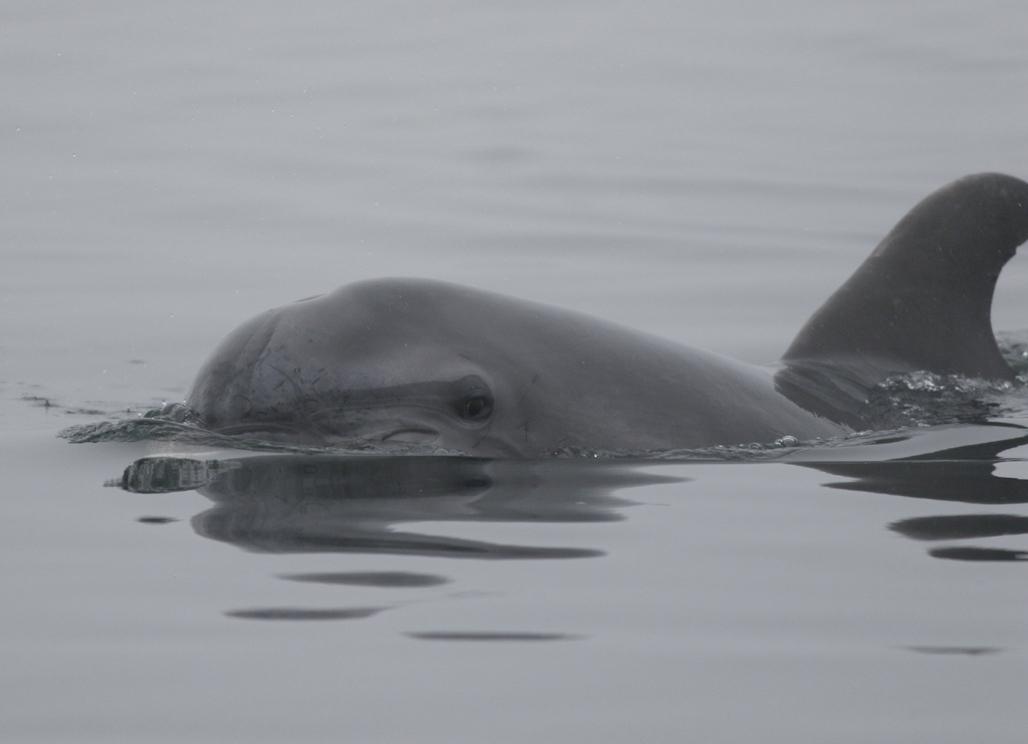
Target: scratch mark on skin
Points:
x,y
521,399
287,377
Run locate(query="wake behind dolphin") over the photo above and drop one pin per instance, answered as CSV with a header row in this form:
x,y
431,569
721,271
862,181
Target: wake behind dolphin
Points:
x,y
402,362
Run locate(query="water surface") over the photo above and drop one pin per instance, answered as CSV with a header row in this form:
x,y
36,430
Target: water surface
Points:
x,y
707,174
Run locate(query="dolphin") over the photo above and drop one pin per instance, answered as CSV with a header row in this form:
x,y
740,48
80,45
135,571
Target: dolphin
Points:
x,y
402,363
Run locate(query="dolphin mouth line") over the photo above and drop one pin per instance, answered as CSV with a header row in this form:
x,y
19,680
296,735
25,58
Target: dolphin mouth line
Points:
x,y
256,428
272,432
410,434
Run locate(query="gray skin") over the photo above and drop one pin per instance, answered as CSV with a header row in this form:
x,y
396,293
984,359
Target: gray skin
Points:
x,y
401,362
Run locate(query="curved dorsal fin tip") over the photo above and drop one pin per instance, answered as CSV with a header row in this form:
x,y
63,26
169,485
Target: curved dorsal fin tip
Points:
x,y
923,298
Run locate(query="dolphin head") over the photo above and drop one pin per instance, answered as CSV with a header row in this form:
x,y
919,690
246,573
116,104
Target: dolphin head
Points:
x,y
402,364
385,362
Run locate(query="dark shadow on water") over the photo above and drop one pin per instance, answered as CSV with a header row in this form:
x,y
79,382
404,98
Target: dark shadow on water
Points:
x,y
954,650
961,526
156,520
491,636
380,579
965,473
978,554
301,613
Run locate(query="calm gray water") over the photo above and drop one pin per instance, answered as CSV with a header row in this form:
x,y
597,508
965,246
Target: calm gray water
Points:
x,y
706,173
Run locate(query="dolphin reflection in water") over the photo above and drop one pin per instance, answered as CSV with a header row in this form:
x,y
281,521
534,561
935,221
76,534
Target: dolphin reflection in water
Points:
x,y
303,503
336,504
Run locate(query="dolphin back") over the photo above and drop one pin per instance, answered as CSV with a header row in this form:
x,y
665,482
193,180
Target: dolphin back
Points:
x,y
923,299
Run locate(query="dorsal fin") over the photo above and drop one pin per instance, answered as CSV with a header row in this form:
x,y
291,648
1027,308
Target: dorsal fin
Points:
x,y
923,299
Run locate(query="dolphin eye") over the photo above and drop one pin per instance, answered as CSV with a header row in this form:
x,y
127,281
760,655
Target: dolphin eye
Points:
x,y
476,407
